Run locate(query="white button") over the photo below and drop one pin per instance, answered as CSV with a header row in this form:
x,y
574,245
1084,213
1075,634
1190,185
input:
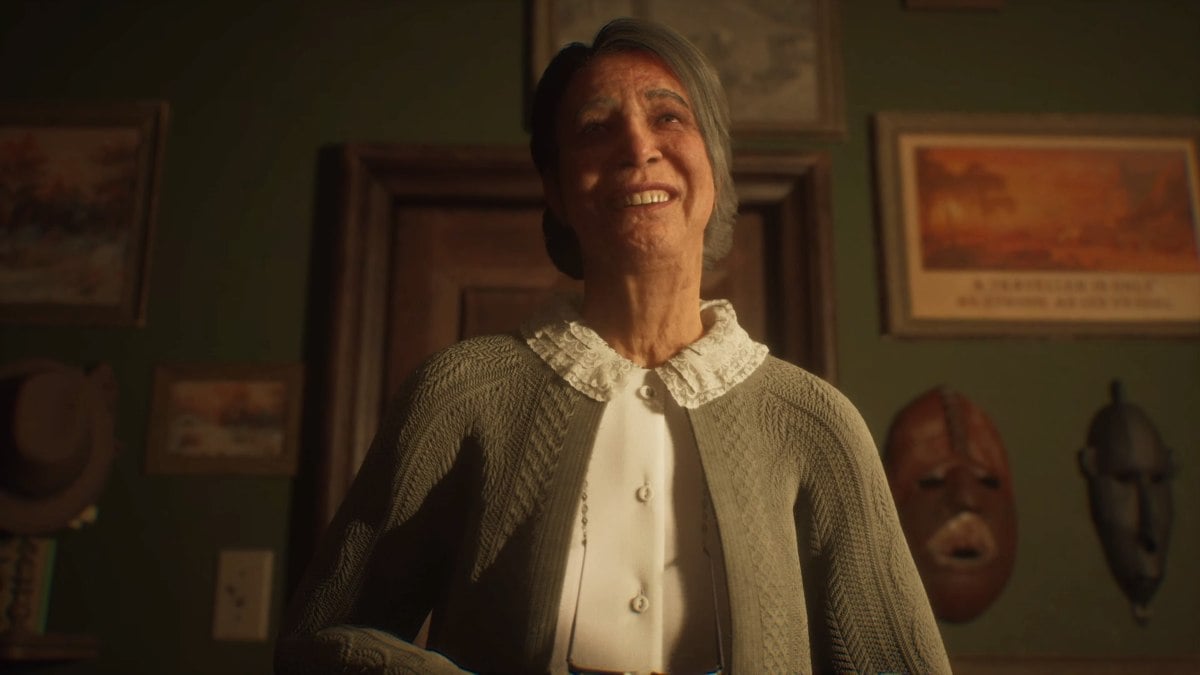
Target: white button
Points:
x,y
645,493
640,603
647,392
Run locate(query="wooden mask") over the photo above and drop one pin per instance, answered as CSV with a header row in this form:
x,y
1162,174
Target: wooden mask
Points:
x,y
949,475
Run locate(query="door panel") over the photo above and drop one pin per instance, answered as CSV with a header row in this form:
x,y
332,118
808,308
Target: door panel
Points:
x,y
416,247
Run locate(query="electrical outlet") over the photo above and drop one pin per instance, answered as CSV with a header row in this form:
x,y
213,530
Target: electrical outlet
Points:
x,y
241,610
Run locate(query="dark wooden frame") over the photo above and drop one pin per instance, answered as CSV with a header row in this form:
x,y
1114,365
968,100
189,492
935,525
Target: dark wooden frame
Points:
x,y
291,375
830,120
954,4
359,187
149,118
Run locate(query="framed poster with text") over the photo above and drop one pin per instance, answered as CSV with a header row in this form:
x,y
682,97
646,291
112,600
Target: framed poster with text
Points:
x,y
1038,224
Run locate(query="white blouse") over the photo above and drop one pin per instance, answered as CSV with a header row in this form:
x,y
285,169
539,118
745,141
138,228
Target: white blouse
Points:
x,y
639,592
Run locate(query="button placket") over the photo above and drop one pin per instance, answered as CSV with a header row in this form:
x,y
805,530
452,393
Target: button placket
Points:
x,y
640,603
651,395
644,492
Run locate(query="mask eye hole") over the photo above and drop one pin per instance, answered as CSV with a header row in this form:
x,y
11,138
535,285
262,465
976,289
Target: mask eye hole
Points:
x,y
930,482
1126,476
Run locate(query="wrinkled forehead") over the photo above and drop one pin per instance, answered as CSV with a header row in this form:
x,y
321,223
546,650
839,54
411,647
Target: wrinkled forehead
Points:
x,y
610,74
927,436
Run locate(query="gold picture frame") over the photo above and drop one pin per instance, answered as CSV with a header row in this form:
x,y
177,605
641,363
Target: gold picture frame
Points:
x,y
1038,225
225,419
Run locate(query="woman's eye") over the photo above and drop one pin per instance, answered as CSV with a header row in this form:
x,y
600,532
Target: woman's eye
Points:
x,y
930,482
591,128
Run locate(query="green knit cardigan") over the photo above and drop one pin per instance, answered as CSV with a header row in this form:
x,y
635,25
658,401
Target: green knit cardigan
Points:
x,y
465,503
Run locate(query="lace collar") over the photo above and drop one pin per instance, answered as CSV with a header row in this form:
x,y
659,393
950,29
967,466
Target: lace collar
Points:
x,y
701,372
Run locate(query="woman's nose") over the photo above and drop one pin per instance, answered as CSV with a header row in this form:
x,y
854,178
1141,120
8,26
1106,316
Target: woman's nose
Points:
x,y
640,145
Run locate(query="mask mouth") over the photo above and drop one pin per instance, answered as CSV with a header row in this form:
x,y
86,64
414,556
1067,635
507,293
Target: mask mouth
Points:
x,y
964,542
1148,545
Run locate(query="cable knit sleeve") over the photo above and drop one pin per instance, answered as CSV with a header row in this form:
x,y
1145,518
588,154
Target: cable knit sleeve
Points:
x,y
869,610
388,551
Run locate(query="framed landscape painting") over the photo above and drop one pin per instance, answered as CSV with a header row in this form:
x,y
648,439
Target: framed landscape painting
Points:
x,y
225,419
1039,224
779,62
78,189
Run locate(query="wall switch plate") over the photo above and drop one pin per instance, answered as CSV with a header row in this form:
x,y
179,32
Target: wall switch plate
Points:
x,y
241,610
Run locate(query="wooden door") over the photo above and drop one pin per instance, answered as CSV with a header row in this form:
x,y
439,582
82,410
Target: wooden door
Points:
x,y
416,248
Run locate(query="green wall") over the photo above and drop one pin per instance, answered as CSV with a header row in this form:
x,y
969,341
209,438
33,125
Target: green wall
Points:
x,y
256,88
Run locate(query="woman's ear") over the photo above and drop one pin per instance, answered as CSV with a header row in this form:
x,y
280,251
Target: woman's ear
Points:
x,y
553,193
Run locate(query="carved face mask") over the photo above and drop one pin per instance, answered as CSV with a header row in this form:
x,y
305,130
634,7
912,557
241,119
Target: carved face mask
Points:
x,y
949,475
1128,471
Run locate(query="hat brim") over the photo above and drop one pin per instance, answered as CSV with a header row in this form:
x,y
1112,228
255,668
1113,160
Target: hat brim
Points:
x,y
24,515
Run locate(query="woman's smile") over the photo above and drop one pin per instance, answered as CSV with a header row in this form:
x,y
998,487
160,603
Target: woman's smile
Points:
x,y
634,178
646,197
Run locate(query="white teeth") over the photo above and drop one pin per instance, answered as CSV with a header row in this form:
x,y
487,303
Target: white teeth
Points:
x,y
647,197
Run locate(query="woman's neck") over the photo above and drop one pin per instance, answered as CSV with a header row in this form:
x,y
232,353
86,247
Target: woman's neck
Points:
x,y
646,318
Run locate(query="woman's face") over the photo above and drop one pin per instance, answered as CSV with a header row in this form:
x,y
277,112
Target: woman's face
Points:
x,y
634,180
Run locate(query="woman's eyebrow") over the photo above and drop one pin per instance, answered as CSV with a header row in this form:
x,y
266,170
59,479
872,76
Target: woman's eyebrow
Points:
x,y
652,94
597,103
608,102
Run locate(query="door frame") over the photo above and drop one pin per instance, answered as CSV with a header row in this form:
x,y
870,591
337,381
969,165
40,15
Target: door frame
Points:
x,y
361,187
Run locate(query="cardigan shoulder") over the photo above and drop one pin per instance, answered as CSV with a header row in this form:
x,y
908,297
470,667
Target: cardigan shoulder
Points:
x,y
475,360
456,378
799,388
814,403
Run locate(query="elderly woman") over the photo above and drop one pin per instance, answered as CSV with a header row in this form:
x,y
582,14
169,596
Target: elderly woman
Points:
x,y
631,484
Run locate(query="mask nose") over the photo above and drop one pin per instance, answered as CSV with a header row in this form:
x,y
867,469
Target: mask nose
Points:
x,y
963,489
1147,518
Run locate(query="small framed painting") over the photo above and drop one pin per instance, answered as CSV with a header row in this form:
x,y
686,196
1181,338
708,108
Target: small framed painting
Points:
x,y
78,192
1041,225
225,419
953,4
779,62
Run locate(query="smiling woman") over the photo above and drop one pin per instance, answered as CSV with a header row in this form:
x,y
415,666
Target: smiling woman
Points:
x,y
631,483
633,177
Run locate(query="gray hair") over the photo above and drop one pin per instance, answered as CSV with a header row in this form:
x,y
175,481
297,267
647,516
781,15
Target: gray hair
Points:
x,y
711,108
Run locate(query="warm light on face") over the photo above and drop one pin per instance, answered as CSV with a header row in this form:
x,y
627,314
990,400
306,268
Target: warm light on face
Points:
x,y
634,179
949,475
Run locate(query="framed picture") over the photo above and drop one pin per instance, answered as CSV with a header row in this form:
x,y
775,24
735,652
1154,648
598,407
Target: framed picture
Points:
x,y
225,419
1039,224
78,188
779,62
953,4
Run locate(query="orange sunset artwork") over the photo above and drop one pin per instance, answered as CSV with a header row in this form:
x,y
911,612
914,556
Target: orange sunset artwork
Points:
x,y
226,418
1056,209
